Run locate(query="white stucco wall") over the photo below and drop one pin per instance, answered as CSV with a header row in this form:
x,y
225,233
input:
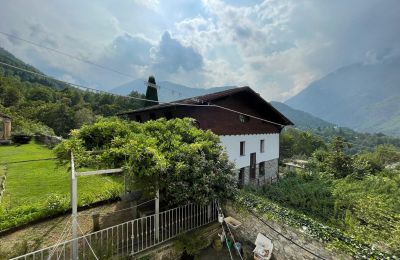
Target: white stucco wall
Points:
x,y
252,145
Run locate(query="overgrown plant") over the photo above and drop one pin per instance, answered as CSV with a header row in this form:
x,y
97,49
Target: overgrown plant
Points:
x,y
185,163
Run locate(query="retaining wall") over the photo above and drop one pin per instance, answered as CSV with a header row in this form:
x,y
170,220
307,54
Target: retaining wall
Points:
x,y
283,248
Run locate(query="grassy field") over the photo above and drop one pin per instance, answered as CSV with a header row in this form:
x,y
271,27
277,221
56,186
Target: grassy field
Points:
x,y
42,188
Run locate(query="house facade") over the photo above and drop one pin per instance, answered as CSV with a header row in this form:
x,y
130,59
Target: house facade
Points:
x,y
251,137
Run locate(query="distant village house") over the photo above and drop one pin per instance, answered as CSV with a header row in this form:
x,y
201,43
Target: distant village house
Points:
x,y
252,144
5,127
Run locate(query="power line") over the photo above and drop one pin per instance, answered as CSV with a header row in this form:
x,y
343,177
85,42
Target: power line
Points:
x,y
141,99
81,59
113,212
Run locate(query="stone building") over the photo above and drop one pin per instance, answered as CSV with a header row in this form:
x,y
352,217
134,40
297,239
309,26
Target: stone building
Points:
x,y
5,127
251,138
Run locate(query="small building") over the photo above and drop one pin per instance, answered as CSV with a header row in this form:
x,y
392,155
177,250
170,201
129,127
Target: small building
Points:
x,y
5,127
295,164
251,139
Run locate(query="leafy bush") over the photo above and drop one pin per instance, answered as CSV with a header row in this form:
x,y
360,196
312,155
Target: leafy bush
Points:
x,y
185,163
311,194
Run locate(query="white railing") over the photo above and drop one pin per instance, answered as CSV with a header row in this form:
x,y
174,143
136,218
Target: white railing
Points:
x,y
133,236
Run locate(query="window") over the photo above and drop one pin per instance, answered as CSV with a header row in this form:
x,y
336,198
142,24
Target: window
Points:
x,y
262,142
243,118
242,148
138,118
168,115
152,116
261,168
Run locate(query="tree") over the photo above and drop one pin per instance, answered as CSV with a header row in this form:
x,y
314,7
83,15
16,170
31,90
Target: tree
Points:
x,y
334,161
185,163
151,92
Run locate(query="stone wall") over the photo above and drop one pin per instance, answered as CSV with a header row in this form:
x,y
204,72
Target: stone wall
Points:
x,y
48,140
270,174
283,248
168,251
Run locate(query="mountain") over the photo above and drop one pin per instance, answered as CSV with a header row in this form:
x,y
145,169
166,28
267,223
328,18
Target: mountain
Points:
x,y
302,120
365,97
168,91
8,58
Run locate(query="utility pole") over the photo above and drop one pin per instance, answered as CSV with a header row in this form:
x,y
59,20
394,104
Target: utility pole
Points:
x,y
74,205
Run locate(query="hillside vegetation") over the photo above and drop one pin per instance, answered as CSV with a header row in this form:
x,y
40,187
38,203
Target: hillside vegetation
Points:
x,y
40,105
301,120
357,193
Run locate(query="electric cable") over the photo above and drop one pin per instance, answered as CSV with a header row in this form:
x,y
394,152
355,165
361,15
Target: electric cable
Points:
x,y
82,60
141,99
282,235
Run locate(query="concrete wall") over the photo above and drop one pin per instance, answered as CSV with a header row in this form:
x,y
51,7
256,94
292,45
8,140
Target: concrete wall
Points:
x,y
283,248
252,145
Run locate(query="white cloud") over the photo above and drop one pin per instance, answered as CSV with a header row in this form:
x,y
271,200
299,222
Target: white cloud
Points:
x,y
276,46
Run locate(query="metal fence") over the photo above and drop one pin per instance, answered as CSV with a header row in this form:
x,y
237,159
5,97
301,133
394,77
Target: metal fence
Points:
x,y
129,238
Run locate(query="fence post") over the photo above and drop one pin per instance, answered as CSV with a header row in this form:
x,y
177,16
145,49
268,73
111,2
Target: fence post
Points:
x,y
157,216
209,212
96,221
74,205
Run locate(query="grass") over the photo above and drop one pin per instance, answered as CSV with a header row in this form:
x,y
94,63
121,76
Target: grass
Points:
x,y
44,186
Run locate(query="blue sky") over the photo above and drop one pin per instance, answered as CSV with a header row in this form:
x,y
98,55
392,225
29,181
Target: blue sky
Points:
x,y
275,46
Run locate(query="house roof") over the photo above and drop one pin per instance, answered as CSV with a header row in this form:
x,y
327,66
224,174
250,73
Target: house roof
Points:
x,y
208,98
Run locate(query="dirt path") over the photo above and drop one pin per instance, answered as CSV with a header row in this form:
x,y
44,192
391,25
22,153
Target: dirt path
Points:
x,y
49,232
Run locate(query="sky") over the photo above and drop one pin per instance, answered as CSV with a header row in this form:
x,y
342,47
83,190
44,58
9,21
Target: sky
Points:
x,y
277,47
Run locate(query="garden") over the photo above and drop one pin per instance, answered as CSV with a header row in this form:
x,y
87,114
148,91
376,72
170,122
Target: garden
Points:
x,y
351,202
38,187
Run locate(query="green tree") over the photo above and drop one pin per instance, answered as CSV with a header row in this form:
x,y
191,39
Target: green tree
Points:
x,y
151,92
185,163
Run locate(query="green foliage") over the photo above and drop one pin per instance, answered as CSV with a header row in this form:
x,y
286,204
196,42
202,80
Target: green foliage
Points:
x,y
24,126
44,106
367,208
333,237
311,194
298,143
184,162
359,141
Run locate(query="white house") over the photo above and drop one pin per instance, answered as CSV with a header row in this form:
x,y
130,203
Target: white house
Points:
x,y
251,137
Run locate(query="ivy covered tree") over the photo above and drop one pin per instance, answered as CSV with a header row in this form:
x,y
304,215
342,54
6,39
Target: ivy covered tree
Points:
x,y
151,92
185,163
